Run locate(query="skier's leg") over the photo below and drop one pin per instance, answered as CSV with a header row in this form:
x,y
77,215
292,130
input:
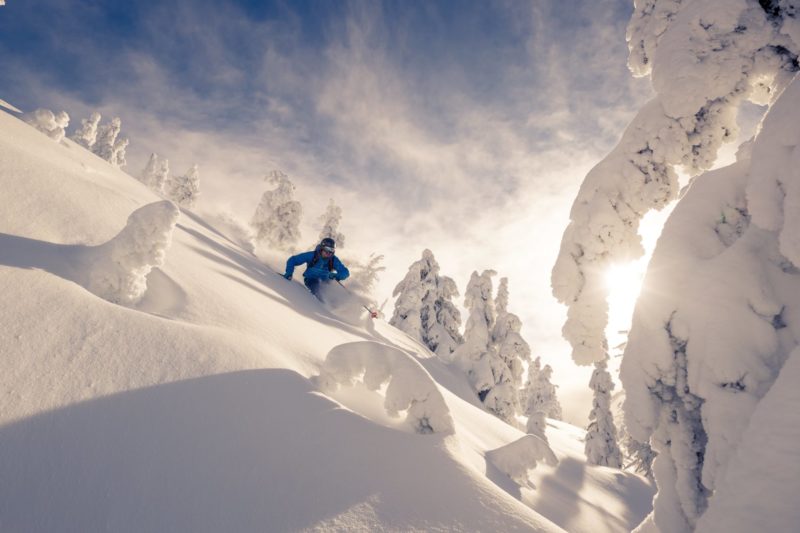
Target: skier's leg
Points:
x,y
313,285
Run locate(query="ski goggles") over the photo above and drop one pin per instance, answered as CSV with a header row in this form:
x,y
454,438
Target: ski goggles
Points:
x,y
327,249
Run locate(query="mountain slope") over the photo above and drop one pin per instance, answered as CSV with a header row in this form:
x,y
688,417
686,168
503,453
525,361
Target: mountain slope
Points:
x,y
194,410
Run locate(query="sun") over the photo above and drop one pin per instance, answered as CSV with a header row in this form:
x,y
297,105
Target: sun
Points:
x,y
624,282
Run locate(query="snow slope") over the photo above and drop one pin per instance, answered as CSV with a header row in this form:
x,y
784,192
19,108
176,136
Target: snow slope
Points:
x,y
197,409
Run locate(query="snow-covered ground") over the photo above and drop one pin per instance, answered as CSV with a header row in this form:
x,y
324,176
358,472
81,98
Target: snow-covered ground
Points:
x,y
198,408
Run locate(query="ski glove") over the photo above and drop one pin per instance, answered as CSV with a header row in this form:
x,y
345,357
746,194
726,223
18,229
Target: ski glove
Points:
x,y
287,276
332,275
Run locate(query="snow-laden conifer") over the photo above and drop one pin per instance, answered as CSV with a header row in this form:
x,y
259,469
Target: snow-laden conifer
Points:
x,y
109,145
118,269
276,222
184,190
704,60
118,157
52,125
689,368
86,135
639,456
512,349
601,437
155,173
330,221
491,379
539,399
424,308
161,176
695,369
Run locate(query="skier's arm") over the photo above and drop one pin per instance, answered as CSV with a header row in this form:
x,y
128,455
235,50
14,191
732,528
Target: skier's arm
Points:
x,y
341,271
296,260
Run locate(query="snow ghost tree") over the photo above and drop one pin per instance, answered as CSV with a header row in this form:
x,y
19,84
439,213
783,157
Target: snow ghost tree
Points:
x,y
109,145
490,377
601,436
86,135
155,175
119,153
710,330
424,308
512,349
184,190
276,222
689,50
330,221
118,269
539,398
52,125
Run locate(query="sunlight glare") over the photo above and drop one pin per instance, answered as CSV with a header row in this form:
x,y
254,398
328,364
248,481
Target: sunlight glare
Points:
x,y
624,282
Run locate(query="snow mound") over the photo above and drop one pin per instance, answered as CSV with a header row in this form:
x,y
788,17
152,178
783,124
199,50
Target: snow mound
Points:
x,y
516,458
117,270
410,387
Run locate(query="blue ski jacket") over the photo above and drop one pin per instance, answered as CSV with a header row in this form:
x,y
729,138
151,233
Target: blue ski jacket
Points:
x,y
321,267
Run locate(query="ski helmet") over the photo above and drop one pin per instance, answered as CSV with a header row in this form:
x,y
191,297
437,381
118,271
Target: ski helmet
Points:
x,y
327,242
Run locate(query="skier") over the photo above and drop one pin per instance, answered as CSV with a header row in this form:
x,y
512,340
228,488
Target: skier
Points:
x,y
322,265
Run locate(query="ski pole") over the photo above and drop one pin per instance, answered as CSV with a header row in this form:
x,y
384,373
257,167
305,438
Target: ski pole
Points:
x,y
373,314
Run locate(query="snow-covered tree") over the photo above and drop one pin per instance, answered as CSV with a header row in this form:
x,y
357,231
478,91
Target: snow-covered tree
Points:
x,y
86,135
491,379
533,401
424,308
330,221
709,332
639,456
601,437
148,174
704,59
109,145
52,125
512,349
540,393
184,190
118,269
276,221
155,175
118,157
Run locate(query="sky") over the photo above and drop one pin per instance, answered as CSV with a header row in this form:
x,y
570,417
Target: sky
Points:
x,y
462,127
